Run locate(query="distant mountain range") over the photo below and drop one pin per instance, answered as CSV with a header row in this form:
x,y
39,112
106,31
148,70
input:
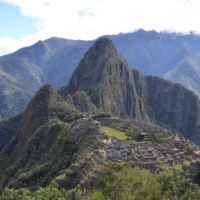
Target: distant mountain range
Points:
x,y
22,73
25,71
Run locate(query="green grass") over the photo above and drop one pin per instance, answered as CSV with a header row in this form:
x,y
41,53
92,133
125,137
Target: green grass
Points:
x,y
113,132
61,177
118,124
159,135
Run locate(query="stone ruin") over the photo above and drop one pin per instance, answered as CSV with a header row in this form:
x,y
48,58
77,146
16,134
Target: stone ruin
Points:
x,y
87,164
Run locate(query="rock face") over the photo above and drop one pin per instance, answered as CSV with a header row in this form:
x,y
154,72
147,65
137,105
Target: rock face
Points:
x,y
114,87
170,104
106,77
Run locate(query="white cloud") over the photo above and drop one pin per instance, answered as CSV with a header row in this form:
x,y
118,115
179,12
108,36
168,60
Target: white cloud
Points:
x,y
60,18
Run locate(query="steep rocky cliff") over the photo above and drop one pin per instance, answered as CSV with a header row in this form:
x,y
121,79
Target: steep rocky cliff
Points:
x,y
169,104
114,87
106,77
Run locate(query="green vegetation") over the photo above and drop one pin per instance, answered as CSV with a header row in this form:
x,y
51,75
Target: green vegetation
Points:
x,y
8,127
113,132
104,79
139,136
99,115
128,183
25,71
50,192
188,148
41,148
35,158
65,112
178,166
140,184
48,151
82,102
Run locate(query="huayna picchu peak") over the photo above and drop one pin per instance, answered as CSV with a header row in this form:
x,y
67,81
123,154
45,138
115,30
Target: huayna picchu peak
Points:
x,y
106,77
108,115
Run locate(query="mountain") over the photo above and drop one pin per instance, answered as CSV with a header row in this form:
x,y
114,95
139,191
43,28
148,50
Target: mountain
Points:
x,y
80,101
170,56
40,147
49,137
25,71
106,77
114,87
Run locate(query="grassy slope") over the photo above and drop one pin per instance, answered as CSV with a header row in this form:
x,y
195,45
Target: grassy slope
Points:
x,y
40,147
45,153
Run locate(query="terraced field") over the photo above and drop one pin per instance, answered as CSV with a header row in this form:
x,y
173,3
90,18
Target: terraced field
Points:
x,y
113,132
162,136
123,132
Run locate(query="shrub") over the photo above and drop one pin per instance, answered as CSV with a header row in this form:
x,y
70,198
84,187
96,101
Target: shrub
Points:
x,y
188,148
99,115
139,136
135,183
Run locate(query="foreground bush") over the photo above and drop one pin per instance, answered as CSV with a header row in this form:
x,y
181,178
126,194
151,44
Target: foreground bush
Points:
x,y
50,192
141,184
126,184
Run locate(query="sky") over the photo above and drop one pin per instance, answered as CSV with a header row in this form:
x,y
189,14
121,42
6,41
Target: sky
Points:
x,y
24,22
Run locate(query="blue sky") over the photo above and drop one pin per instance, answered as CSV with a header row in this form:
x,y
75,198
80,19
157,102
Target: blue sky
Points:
x,y
13,24
24,22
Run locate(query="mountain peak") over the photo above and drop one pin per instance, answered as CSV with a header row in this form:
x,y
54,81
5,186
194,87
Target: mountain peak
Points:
x,y
103,48
104,42
96,66
37,112
106,77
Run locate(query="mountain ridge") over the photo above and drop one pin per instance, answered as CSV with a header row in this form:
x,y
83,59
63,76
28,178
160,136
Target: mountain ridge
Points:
x,y
40,140
168,55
